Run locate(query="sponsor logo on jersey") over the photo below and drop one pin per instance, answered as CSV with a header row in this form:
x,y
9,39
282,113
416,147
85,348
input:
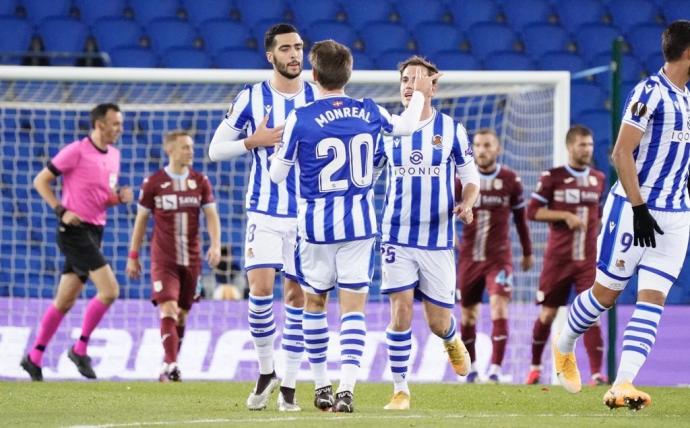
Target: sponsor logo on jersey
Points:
x,y
165,185
416,157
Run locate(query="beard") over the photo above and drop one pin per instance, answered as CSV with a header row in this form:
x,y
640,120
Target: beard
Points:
x,y
282,68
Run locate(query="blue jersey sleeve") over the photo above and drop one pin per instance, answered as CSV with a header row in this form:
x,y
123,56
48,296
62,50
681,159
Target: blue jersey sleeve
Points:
x,y
239,116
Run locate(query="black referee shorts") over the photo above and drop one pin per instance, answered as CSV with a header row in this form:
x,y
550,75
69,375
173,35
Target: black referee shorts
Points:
x,y
81,246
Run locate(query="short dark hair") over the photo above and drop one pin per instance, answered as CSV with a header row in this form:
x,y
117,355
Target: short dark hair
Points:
x,y
675,39
271,33
332,62
418,60
577,131
488,131
99,112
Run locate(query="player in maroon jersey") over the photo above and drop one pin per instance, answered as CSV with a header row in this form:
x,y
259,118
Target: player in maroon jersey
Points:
x,y
175,195
486,259
567,197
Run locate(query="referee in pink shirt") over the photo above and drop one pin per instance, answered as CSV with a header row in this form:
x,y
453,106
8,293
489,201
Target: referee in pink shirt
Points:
x,y
89,168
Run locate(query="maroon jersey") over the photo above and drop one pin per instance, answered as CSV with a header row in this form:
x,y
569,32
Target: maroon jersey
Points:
x,y
579,192
487,237
176,203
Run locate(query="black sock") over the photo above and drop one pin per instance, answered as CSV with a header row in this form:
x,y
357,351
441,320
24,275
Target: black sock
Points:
x,y
288,394
263,381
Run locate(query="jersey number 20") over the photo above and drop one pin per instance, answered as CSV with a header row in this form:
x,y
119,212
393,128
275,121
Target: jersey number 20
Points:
x,y
361,162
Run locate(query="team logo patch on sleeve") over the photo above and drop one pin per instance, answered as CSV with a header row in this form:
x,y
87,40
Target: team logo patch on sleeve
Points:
x,y
638,109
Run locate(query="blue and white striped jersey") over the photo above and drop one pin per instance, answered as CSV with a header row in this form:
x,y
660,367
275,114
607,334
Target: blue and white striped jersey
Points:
x,y
246,113
420,196
662,111
332,142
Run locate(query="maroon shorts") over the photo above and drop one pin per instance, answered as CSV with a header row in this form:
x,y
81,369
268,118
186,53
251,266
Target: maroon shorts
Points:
x,y
174,282
559,275
473,277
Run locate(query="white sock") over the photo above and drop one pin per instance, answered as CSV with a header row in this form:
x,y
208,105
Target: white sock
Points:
x,y
582,314
353,331
399,349
638,340
292,344
262,327
315,332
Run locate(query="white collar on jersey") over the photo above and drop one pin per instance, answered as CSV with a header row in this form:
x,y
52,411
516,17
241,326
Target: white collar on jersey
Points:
x,y
576,173
425,122
493,174
176,176
283,94
671,84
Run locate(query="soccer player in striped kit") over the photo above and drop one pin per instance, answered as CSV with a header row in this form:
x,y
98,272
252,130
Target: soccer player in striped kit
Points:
x,y
254,124
646,221
486,259
568,198
332,143
418,227
175,195
89,168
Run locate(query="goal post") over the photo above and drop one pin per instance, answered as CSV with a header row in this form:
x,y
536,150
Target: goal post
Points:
x,y
44,108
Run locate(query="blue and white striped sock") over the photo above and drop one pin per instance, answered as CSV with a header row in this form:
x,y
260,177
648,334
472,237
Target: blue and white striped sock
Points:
x,y
638,340
582,314
399,349
262,327
315,329
353,331
292,344
450,334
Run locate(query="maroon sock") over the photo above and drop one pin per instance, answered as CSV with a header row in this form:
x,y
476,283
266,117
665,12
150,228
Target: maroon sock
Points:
x,y
469,338
540,335
499,340
594,345
169,339
180,336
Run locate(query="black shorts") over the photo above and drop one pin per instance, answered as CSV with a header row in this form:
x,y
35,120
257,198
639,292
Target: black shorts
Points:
x,y
81,246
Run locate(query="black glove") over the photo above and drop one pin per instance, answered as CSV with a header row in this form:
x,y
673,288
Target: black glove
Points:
x,y
644,226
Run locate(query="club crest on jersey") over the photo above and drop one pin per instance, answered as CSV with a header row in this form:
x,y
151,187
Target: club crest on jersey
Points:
x,y
620,264
638,109
191,184
437,141
416,157
498,183
250,253
469,151
157,286
112,180
593,181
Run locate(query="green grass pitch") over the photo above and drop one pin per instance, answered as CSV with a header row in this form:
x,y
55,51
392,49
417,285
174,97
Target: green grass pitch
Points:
x,y
215,404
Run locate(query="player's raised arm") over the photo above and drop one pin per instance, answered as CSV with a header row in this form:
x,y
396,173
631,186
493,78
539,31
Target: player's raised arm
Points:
x,y
417,92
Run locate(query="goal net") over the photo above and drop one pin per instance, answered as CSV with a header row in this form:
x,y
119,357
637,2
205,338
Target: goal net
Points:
x,y
43,109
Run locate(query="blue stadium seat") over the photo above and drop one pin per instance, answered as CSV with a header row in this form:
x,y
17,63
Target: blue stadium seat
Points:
x,y
525,12
599,121
674,10
585,96
241,58
488,38
199,11
91,11
628,14
8,7
468,13
594,39
37,10
219,34
382,36
133,57
508,60
454,60
433,38
338,31
170,32
362,61
654,62
63,35
251,12
307,12
389,60
185,58
562,61
415,12
115,32
15,36
645,40
542,38
573,14
147,11
361,12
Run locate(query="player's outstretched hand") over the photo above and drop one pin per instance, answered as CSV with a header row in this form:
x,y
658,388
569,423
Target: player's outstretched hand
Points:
x,y
423,82
133,268
264,136
464,213
213,256
526,262
125,194
644,227
574,222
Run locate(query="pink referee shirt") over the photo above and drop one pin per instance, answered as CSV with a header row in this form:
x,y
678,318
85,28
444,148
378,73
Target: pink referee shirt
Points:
x,y
89,176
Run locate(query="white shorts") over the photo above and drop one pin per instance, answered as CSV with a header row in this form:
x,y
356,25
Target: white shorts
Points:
x,y
430,272
350,265
618,259
269,242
